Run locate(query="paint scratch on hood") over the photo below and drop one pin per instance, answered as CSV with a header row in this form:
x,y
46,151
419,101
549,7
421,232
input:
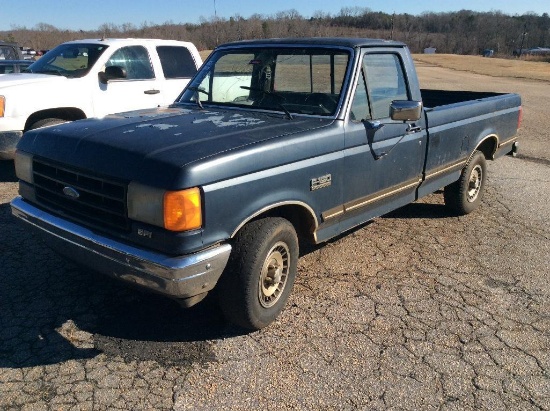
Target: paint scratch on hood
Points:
x,y
234,120
158,126
151,113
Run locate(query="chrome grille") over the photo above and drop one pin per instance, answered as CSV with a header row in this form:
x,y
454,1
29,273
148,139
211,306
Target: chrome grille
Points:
x,y
95,201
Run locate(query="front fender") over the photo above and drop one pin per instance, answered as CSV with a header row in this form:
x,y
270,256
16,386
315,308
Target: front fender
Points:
x,y
230,204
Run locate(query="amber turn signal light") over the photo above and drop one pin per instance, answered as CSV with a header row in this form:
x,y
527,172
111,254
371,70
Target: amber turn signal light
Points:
x,y
182,210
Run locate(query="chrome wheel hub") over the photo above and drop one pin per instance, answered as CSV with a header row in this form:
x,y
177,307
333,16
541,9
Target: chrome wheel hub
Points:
x,y
274,275
474,185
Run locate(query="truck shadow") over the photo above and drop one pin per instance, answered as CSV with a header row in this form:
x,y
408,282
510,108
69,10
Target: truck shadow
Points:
x,y
431,207
422,210
7,171
52,311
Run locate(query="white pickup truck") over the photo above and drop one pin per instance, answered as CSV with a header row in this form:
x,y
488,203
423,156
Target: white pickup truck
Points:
x,y
92,78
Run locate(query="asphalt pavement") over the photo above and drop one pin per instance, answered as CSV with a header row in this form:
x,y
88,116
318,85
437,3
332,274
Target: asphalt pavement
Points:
x,y
416,310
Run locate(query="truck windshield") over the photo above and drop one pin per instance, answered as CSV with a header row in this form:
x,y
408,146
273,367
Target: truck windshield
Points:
x,y
69,60
293,80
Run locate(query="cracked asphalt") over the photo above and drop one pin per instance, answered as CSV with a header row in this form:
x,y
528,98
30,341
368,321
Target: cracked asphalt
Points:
x,y
417,310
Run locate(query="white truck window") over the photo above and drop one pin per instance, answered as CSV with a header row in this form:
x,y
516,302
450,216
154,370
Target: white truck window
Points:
x,y
135,60
176,61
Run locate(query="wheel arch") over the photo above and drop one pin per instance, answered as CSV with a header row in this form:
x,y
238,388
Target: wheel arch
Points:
x,y
63,113
300,215
488,146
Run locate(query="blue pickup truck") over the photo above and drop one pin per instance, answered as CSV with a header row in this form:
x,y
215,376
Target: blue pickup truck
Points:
x,y
273,144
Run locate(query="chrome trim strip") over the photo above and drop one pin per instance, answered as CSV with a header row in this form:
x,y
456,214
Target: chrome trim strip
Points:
x,y
507,142
377,197
333,212
447,168
364,201
271,207
490,136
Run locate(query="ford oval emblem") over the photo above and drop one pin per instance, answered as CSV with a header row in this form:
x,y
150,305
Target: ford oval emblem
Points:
x,y
71,193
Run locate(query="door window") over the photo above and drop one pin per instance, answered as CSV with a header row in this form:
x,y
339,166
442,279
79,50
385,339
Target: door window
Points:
x,y
385,81
381,81
135,60
360,110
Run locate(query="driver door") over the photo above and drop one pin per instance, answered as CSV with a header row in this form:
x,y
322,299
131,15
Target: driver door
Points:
x,y
138,90
383,157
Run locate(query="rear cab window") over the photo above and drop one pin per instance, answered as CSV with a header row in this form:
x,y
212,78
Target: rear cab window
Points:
x,y
176,62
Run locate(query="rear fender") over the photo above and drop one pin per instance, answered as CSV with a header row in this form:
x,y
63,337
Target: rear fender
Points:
x,y
487,145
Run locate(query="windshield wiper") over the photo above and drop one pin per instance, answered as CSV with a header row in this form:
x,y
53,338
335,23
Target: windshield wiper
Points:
x,y
290,117
274,94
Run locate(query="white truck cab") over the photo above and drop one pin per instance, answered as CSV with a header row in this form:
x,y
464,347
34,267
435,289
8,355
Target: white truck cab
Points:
x,y
92,78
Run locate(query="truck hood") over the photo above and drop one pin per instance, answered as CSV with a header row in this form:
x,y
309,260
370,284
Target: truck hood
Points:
x,y
155,146
17,79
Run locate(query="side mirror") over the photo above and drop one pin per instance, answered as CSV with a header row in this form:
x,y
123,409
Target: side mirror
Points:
x,y
112,73
405,110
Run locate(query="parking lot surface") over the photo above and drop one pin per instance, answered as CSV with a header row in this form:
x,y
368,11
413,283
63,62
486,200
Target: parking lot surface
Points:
x,y
417,310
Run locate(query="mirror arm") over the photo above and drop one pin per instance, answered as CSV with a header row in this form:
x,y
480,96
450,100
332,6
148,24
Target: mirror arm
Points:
x,y
102,77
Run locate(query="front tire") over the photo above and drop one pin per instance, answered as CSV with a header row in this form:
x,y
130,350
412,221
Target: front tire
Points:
x,y
464,195
261,272
46,122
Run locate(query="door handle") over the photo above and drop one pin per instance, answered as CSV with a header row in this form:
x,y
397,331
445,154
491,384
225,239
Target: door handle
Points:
x,y
152,91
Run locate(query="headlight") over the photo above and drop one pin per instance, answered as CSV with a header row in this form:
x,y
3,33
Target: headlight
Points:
x,y
23,166
173,210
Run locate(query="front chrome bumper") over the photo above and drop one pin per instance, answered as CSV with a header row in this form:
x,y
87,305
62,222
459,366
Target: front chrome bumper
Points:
x,y
179,277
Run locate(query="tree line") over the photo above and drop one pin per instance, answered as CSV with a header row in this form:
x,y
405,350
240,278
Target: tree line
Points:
x,y
462,32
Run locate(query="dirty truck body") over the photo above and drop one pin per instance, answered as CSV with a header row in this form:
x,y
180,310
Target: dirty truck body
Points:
x,y
272,144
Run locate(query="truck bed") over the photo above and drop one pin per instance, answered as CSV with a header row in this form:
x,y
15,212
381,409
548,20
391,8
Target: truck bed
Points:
x,y
436,98
488,113
459,121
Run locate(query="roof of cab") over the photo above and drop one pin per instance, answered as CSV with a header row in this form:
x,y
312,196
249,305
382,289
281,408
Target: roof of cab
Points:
x,y
319,41
112,41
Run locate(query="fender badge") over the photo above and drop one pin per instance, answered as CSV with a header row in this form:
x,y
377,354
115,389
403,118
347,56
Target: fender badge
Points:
x,y
320,182
71,193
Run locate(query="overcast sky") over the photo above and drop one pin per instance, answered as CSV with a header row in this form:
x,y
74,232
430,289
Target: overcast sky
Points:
x,y
90,14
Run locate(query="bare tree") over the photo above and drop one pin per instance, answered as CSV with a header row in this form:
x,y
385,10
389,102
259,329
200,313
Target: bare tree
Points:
x,y
462,32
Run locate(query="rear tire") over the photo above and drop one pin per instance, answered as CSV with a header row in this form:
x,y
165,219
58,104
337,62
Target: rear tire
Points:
x,y
464,195
260,275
